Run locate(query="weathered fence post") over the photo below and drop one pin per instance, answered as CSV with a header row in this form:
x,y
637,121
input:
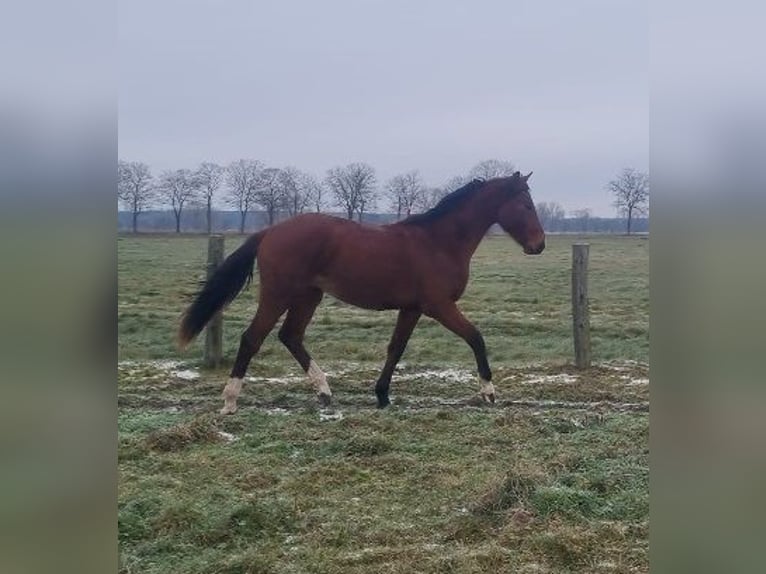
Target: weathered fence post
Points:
x,y
580,310
214,332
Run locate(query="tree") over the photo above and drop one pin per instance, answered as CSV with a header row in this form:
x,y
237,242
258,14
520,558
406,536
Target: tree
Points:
x,y
405,191
430,197
631,193
209,176
314,191
549,213
134,187
270,192
242,179
491,168
353,187
298,188
178,187
455,183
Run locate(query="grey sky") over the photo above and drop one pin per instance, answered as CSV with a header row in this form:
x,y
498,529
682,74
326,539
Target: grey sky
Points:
x,y
560,88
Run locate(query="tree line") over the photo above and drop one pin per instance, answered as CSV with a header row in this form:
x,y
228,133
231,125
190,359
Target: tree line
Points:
x,y
247,185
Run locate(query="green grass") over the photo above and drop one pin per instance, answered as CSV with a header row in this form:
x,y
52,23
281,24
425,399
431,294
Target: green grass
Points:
x,y
521,304
436,483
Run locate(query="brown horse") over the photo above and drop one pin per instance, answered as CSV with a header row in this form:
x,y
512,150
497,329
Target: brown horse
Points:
x,y
418,266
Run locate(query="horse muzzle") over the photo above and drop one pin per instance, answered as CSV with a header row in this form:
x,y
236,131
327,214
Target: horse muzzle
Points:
x,y
536,250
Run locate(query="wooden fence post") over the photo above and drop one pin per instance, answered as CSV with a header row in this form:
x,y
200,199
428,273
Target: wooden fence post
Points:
x,y
580,310
214,332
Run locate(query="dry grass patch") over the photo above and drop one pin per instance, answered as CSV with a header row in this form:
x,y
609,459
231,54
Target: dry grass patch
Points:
x,y
203,429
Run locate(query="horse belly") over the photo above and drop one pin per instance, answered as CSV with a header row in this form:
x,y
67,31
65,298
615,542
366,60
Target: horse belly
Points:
x,y
369,286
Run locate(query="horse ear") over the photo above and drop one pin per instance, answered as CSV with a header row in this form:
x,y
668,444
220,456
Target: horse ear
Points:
x,y
526,177
516,174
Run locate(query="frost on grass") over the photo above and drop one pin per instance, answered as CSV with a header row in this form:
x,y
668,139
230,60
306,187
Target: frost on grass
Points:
x,y
159,364
227,436
330,416
551,379
160,367
637,382
450,375
279,380
186,374
624,365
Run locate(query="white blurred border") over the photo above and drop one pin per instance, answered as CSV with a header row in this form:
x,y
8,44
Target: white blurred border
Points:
x,y
708,152
58,156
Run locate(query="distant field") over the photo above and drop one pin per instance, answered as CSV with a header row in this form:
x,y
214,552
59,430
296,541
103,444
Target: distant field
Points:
x,y
553,478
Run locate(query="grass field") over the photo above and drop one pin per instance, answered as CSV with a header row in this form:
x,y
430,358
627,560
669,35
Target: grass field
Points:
x,y
552,478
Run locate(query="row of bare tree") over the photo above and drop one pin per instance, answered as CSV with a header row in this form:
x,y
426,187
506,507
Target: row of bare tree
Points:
x,y
247,184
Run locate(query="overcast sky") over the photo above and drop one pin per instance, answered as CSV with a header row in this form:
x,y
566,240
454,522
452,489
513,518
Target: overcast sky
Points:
x,y
560,88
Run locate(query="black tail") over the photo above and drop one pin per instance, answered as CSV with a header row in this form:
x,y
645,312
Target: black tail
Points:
x,y
225,284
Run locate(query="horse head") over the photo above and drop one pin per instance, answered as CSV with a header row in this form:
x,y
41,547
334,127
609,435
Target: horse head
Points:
x,y
517,214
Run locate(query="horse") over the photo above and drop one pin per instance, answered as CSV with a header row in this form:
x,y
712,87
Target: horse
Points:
x,y
418,266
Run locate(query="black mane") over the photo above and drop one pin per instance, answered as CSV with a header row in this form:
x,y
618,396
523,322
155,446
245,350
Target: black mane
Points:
x,y
445,205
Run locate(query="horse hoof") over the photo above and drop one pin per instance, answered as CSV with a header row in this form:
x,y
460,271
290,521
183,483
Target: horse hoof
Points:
x,y
489,398
382,404
228,410
324,399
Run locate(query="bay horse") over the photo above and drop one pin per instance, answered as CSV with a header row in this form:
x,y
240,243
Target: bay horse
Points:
x,y
418,265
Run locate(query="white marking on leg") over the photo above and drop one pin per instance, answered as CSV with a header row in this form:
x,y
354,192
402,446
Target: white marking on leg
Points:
x,y
230,393
318,379
487,391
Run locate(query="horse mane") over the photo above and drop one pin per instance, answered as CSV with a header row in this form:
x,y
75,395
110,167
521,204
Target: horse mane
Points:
x,y
446,204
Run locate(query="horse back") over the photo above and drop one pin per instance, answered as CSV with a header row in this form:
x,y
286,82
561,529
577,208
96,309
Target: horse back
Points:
x,y
376,267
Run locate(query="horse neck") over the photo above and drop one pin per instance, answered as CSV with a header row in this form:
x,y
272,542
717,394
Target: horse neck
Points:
x,y
461,231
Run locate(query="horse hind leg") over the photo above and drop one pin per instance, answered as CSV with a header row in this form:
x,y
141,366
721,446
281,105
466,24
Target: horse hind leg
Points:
x,y
269,312
291,334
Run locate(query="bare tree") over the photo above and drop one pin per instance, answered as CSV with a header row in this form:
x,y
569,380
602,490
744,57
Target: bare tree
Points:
x,y
270,193
353,187
210,176
631,193
242,179
429,197
293,200
178,187
367,202
405,190
314,190
491,168
134,187
342,192
549,213
363,178
297,187
455,183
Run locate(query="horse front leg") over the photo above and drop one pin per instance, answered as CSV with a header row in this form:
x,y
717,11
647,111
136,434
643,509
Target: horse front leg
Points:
x,y
405,324
450,316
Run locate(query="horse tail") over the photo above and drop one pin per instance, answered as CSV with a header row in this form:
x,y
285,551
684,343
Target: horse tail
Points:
x,y
219,290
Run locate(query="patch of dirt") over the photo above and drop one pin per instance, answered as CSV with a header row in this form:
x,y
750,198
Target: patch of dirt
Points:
x,y
171,386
